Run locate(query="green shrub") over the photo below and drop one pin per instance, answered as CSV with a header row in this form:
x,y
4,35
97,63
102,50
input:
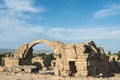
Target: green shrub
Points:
x,y
46,56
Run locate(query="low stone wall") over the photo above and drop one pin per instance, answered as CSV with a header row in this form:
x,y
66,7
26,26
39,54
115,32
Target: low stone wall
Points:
x,y
17,69
9,62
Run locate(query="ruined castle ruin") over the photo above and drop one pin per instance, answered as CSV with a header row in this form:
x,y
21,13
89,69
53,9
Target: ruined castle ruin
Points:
x,y
81,59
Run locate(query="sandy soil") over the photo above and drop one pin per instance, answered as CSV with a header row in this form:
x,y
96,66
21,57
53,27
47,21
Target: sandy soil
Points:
x,y
48,77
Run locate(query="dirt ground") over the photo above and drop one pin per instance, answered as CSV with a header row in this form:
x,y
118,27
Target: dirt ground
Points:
x,y
48,77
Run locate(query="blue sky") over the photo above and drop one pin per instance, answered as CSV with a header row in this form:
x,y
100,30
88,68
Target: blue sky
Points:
x,y
70,21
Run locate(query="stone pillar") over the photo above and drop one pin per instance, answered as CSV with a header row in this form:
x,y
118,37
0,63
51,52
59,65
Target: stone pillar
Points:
x,y
81,66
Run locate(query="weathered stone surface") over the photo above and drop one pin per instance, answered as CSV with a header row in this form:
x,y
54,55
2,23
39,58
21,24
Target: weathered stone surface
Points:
x,y
21,51
17,69
114,63
41,63
9,61
82,59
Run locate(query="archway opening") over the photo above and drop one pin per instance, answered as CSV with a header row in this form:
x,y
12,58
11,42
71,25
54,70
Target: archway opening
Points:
x,y
39,54
42,56
41,48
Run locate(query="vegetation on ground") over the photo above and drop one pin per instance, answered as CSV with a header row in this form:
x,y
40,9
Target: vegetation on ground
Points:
x,y
118,54
3,54
45,56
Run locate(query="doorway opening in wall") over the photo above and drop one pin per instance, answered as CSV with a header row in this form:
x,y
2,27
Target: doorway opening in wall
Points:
x,y
72,68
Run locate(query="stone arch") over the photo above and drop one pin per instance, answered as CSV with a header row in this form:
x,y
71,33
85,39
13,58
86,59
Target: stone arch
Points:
x,y
35,42
25,51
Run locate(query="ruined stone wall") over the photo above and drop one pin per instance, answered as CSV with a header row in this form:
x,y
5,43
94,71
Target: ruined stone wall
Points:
x,y
82,59
89,60
38,61
114,63
41,63
21,51
1,59
10,62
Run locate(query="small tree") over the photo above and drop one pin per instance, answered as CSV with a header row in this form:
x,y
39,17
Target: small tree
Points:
x,y
41,54
50,56
8,53
118,54
109,52
46,56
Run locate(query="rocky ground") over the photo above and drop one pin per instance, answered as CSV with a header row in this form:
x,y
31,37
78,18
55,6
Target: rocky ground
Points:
x,y
48,76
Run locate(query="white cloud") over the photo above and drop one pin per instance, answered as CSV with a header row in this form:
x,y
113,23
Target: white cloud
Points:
x,y
12,13
13,23
84,33
22,5
17,8
2,6
110,10
20,30
13,29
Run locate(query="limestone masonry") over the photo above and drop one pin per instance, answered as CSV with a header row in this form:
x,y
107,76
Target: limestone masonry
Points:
x,y
81,59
